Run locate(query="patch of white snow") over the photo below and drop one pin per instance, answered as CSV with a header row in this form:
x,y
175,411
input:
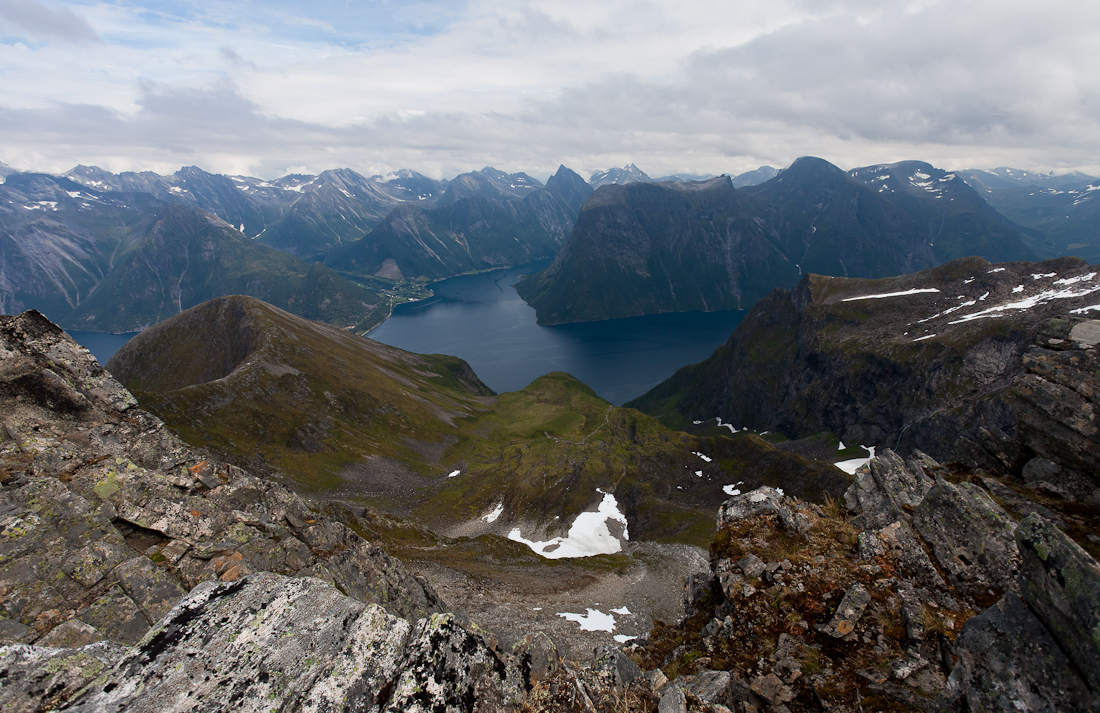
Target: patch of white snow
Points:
x,y
492,517
890,294
595,620
588,535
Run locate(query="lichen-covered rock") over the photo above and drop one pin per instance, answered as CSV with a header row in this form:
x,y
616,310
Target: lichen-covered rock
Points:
x,y
39,678
1009,662
971,537
450,669
848,613
107,519
246,644
887,489
1061,583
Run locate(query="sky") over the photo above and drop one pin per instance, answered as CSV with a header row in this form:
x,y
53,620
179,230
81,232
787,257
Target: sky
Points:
x,y
271,87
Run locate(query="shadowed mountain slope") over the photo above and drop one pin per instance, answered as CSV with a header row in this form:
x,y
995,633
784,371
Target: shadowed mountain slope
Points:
x,y
189,256
646,248
969,361
651,248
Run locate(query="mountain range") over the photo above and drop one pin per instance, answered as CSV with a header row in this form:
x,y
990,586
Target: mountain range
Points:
x,y
632,174
645,248
1062,211
159,244
117,261
482,220
61,237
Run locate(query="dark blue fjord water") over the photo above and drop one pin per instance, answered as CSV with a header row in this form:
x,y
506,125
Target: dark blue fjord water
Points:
x,y
101,344
481,319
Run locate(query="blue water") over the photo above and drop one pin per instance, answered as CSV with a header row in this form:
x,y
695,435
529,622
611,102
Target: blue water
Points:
x,y
481,319
102,345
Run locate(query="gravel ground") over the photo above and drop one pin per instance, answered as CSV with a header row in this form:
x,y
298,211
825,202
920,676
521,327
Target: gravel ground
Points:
x,y
519,601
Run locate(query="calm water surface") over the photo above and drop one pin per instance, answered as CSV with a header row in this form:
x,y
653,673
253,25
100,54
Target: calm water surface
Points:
x,y
481,319
102,345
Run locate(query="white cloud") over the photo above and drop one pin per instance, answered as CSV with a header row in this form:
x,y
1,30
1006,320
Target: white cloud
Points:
x,y
39,21
447,87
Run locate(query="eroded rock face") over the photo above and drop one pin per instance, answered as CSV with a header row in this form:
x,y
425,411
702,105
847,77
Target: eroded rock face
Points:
x,y
301,644
1061,583
971,537
107,519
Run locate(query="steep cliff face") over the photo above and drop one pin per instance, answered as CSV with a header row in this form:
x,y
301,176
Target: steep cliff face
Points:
x,y
983,364
188,256
646,248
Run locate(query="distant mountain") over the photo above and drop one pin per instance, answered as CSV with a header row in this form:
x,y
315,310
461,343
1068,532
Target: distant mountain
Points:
x,y
484,219
651,248
957,220
646,248
104,260
1064,210
6,170
756,177
339,207
302,215
570,188
633,174
1004,177
247,204
683,178
618,176
60,239
188,256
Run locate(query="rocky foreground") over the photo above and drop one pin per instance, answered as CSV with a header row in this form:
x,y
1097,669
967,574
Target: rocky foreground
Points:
x,y
137,573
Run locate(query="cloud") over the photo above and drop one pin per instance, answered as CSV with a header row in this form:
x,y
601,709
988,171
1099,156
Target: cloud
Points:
x,y
38,20
703,86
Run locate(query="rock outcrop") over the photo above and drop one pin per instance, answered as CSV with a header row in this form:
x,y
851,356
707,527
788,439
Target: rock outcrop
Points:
x,y
300,643
897,616
1036,650
107,519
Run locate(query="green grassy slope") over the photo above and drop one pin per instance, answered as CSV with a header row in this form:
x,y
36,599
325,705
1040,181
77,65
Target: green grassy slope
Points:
x,y
344,417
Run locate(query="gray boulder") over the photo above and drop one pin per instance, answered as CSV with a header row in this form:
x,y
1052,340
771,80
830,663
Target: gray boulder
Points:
x,y
971,537
757,502
1061,583
887,489
1009,662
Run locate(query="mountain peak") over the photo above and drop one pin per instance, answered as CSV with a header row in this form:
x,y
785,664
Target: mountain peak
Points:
x,y
619,176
